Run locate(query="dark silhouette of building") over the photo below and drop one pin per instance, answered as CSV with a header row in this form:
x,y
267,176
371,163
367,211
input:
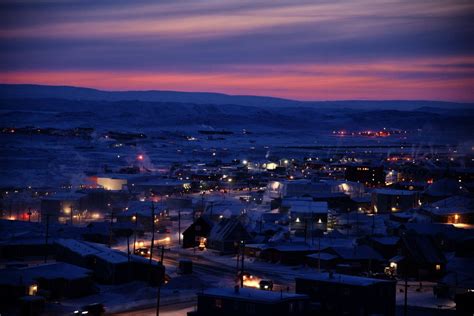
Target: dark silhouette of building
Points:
x,y
340,294
248,301
197,232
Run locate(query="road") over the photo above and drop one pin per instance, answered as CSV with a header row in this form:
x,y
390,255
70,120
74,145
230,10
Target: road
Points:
x,y
205,268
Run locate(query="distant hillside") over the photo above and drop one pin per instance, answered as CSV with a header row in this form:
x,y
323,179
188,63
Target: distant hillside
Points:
x,y
13,91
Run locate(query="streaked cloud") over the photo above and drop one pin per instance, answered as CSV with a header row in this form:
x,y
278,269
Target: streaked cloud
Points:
x,y
300,49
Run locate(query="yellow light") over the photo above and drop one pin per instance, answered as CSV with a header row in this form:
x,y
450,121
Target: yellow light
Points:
x,y
456,216
438,267
134,218
33,289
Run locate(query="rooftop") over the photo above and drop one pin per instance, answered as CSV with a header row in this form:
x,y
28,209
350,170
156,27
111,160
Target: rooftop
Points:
x,y
341,278
249,294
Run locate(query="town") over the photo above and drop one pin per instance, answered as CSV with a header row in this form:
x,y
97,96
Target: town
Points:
x,y
282,235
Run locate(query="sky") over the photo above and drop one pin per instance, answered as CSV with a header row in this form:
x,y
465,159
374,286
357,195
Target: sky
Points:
x,y
304,50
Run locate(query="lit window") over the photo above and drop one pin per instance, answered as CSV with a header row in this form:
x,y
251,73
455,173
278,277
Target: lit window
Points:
x,y
33,289
438,267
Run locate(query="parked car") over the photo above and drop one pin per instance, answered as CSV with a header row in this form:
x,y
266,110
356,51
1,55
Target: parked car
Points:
x,y
266,285
143,251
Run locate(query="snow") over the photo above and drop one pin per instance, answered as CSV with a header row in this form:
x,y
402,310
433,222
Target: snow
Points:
x,y
251,294
341,278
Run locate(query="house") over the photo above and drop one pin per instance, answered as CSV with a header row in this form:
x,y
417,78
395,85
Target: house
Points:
x,y
340,294
249,301
109,266
216,209
352,260
458,210
306,216
389,200
197,233
58,279
287,253
459,277
446,237
387,246
443,189
226,235
418,257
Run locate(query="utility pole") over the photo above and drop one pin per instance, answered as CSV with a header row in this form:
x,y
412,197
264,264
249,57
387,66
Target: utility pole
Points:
x,y
158,297
152,237
135,232
242,263
179,227
29,214
305,230
405,305
238,260
46,239
71,215
110,227
128,247
319,254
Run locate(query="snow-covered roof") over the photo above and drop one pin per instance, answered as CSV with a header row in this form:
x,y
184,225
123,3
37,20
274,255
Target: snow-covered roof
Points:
x,y
54,270
362,252
249,294
342,278
459,204
394,192
305,205
446,187
78,247
386,240
323,256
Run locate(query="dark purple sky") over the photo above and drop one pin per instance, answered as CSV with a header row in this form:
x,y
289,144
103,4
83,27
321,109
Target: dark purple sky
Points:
x,y
311,50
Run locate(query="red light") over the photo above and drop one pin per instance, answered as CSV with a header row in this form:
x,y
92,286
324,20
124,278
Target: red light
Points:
x,y
140,157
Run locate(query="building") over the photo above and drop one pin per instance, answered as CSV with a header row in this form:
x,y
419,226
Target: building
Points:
x,y
306,215
355,259
226,235
109,266
443,189
389,200
61,207
249,301
197,233
456,210
366,174
418,257
58,279
112,182
287,253
340,294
